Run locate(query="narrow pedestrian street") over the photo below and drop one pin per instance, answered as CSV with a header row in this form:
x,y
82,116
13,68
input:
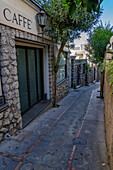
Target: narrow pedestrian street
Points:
x,y
71,137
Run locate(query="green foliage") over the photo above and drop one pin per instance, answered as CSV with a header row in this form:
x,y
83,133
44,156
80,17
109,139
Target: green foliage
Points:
x,y
55,63
68,18
103,65
72,5
88,4
88,67
97,42
110,73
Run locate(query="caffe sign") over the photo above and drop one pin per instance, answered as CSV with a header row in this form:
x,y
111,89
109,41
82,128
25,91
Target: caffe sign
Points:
x,y
15,18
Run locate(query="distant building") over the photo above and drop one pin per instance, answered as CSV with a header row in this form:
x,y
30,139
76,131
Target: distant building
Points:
x,y
79,49
79,75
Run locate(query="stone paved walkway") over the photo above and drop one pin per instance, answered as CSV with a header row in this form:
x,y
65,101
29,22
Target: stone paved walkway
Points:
x,y
47,142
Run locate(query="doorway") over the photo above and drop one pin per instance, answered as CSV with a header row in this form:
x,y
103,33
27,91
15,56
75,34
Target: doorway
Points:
x,y
30,75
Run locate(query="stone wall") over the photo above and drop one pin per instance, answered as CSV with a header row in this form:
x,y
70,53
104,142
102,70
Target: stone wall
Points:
x,y
51,78
62,89
83,75
86,76
72,74
98,73
82,78
108,101
108,111
91,75
10,119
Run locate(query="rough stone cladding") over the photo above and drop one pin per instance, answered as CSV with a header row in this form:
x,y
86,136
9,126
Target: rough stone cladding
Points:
x,y
10,119
91,75
51,78
75,64
108,111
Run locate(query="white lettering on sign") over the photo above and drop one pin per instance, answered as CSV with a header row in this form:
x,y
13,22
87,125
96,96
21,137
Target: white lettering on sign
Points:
x,y
17,19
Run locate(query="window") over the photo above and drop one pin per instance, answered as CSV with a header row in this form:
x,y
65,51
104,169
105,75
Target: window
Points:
x,y
77,48
82,46
62,71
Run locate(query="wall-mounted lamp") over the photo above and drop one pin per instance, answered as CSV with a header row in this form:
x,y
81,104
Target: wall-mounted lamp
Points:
x,y
41,16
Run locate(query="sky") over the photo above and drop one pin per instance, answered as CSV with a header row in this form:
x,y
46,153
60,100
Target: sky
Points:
x,y
108,11
107,16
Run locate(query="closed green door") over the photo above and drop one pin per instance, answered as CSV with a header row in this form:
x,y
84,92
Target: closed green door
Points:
x,y
30,74
22,76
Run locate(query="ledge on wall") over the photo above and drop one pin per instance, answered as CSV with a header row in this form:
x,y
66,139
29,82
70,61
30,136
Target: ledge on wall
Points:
x,y
31,4
62,81
35,111
3,107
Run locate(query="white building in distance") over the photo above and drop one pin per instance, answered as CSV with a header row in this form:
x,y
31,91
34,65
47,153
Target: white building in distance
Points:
x,y
79,49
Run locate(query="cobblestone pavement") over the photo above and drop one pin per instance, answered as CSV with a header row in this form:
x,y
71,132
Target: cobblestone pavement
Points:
x,y
47,143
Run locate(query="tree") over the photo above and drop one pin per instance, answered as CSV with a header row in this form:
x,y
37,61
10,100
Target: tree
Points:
x,y
68,19
97,42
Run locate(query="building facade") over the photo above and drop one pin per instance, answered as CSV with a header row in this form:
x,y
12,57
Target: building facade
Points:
x,y
26,69
80,75
79,49
78,72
